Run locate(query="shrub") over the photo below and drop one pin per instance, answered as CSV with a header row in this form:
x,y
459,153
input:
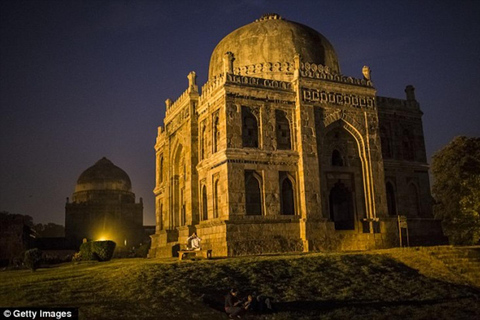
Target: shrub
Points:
x,y
142,250
76,257
97,250
33,258
86,252
103,250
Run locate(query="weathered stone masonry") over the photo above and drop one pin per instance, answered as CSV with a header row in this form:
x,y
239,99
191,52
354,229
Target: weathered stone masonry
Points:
x,y
280,152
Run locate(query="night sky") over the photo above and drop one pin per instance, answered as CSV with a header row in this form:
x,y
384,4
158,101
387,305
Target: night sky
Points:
x,y
80,80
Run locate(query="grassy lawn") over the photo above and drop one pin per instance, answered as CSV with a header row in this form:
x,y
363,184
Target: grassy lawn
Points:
x,y
385,284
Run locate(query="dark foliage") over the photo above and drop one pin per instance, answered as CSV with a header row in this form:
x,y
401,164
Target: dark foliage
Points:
x,y
97,250
33,258
456,188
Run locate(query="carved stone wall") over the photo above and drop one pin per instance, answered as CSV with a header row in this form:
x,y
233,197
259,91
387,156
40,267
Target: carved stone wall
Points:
x,y
224,155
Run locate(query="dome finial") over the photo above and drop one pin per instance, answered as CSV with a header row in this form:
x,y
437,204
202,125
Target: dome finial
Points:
x,y
270,16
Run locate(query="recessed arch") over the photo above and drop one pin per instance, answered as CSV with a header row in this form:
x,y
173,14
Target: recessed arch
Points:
x,y
391,198
282,130
337,159
249,128
160,169
339,120
216,193
413,200
204,203
287,194
385,142
216,133
408,146
253,193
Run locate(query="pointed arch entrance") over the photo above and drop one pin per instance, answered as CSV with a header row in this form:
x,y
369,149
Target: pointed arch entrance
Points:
x,y
344,168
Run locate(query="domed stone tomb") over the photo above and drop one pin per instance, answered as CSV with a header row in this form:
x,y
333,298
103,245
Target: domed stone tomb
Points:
x,y
103,207
281,152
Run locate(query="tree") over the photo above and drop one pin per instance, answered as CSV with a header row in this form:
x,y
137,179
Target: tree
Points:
x,y
49,230
456,188
7,217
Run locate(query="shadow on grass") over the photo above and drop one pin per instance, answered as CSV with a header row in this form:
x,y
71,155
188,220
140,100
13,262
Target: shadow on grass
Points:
x,y
329,284
308,306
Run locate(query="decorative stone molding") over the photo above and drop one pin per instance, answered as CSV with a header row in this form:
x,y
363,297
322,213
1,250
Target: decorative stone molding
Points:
x,y
278,66
259,82
244,161
209,87
337,98
318,71
177,121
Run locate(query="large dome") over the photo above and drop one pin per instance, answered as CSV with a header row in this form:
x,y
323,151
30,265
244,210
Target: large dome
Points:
x,y
273,40
103,175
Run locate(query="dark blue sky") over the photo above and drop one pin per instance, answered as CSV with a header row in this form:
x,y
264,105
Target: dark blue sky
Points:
x,y
80,80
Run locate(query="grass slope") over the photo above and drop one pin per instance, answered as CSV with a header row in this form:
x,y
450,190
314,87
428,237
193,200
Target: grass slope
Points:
x,y
385,284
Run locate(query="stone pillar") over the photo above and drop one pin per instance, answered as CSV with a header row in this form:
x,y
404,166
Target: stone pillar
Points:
x,y
228,59
168,104
410,91
308,170
297,61
192,82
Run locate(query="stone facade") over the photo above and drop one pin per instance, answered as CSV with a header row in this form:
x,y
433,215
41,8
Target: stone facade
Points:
x,y
283,154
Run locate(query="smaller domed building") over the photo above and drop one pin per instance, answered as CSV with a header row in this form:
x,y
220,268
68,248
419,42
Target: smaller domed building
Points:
x,y
103,207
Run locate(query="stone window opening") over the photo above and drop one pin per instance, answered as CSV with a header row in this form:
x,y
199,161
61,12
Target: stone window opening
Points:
x,y
283,130
216,199
160,216
160,170
337,159
216,134
253,193
203,142
391,202
287,195
413,201
385,143
204,203
407,146
249,129
183,216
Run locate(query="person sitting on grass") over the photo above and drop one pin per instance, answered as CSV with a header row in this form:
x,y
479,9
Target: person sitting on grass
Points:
x,y
258,303
193,242
233,306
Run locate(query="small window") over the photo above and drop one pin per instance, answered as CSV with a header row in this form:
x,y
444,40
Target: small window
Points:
x,y
216,134
407,146
253,194
160,170
391,202
337,159
204,204
385,142
203,142
249,129
216,200
283,130
287,201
